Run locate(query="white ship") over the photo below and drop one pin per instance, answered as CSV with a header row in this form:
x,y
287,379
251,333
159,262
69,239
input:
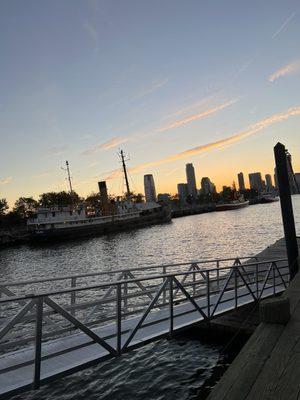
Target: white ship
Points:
x,y
113,216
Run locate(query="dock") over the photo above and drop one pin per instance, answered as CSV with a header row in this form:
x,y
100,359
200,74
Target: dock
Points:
x,y
47,334
268,366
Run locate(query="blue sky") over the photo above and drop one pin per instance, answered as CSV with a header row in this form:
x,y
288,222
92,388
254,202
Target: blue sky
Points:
x,y
79,79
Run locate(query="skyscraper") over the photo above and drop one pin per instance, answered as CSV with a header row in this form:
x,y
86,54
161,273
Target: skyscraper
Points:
x,y
149,186
292,180
191,180
241,181
256,182
207,186
275,178
297,178
269,184
182,192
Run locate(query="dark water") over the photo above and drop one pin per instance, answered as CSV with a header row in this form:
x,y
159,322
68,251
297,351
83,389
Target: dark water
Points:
x,y
168,369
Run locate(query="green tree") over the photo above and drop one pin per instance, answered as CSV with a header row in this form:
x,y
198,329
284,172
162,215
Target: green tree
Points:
x,y
137,198
3,206
25,206
93,200
63,198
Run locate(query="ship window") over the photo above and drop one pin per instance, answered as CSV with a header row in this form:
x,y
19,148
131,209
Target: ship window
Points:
x,y
71,212
53,214
46,215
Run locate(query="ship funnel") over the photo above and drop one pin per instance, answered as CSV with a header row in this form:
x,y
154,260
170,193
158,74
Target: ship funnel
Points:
x,y
103,192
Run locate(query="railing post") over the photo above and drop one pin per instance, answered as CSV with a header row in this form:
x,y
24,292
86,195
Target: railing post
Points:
x,y
171,305
274,278
235,287
73,295
256,279
38,342
194,278
119,318
165,291
208,293
218,274
125,292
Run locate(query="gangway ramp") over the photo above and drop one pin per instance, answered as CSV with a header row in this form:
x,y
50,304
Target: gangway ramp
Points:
x,y
48,335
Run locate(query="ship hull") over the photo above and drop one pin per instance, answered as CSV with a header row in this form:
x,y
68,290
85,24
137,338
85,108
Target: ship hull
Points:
x,y
41,235
265,200
231,206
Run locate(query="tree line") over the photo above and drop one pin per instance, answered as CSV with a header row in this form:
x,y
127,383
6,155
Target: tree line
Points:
x,y
25,207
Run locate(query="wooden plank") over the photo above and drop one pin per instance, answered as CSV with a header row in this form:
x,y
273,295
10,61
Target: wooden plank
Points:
x,y
237,381
268,367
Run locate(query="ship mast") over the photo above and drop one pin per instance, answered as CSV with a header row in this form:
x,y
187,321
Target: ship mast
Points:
x,y
125,174
69,177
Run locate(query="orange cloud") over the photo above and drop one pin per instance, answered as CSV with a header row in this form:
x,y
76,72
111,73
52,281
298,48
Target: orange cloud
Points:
x,y
251,130
195,117
114,142
289,69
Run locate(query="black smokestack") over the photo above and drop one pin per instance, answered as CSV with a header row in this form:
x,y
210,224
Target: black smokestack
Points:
x,y
103,192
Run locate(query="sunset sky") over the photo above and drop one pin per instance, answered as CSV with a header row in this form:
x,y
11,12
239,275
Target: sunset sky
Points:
x,y
215,83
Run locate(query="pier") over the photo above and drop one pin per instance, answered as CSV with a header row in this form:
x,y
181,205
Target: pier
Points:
x,y
49,333
268,367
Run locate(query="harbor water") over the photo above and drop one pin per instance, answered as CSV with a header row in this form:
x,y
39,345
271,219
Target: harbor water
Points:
x,y
167,369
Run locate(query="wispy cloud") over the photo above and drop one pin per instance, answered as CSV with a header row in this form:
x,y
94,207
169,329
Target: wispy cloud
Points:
x,y
57,150
114,142
156,85
195,117
5,181
284,25
288,69
249,131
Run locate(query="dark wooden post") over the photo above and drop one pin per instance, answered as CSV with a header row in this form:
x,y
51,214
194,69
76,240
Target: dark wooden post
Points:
x,y
286,208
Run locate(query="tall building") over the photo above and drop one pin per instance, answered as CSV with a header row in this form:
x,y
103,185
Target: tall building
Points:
x,y
149,186
183,192
207,186
292,179
275,178
269,184
256,181
297,178
191,180
241,181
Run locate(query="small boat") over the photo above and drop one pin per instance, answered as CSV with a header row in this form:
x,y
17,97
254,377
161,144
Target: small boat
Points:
x,y
232,205
269,198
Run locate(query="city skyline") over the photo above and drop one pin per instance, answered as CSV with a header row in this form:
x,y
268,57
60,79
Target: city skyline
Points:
x,y
79,88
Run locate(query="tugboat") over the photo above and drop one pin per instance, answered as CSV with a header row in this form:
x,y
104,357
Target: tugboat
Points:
x,y
78,221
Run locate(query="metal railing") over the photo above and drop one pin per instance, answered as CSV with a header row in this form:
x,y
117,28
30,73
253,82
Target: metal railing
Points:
x,y
123,314
12,288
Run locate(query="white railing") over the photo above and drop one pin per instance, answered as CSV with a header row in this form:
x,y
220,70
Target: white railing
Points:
x,y
124,313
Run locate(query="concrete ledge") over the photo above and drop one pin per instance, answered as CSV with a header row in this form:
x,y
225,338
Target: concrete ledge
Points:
x,y
275,310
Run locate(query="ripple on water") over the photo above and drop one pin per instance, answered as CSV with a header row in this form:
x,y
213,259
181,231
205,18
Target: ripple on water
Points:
x,y
167,369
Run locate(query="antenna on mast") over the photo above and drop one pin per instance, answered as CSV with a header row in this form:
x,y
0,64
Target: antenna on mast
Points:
x,y
69,179
125,173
